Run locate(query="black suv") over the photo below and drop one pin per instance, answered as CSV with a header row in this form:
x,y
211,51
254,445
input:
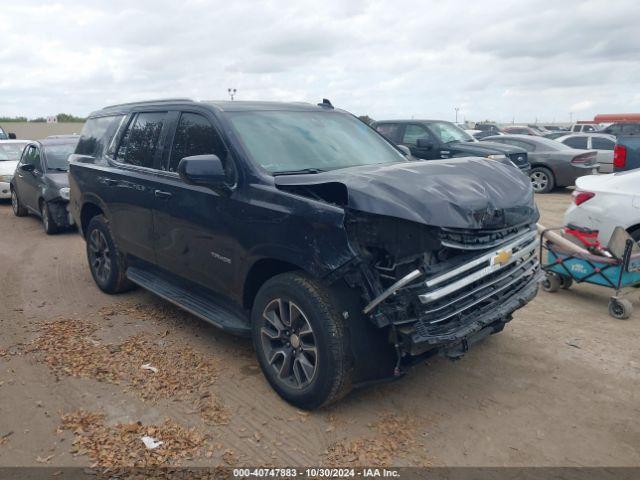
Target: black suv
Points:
x,y
437,139
41,185
303,227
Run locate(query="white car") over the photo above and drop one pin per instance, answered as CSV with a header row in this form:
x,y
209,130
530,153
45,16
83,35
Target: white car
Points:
x,y
603,202
10,152
600,142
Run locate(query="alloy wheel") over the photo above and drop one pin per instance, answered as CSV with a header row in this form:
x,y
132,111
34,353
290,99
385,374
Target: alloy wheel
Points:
x,y
99,256
289,343
539,180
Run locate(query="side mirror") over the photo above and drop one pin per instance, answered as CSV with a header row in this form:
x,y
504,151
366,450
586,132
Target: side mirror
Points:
x,y
28,167
12,136
205,170
405,150
424,143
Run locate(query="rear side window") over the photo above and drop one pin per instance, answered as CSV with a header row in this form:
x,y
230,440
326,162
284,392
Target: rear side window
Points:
x,y
195,136
93,139
601,143
389,130
576,142
140,141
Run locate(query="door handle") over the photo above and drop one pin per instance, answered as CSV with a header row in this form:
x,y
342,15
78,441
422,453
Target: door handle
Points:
x,y
163,195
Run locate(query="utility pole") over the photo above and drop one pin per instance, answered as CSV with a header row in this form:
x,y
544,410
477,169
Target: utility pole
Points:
x,y
232,92
571,118
456,109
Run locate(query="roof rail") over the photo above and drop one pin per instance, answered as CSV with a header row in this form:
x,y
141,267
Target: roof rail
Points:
x,y
159,100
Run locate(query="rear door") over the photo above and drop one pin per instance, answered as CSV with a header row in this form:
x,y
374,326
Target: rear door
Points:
x,y
130,189
193,224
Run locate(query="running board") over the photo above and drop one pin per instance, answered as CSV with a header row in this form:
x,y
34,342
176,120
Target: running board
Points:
x,y
197,304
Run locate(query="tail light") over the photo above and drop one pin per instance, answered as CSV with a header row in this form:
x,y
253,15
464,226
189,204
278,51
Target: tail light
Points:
x,y
619,156
583,159
581,197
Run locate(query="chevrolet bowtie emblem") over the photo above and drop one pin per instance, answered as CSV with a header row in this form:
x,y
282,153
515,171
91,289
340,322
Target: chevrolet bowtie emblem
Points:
x,y
501,258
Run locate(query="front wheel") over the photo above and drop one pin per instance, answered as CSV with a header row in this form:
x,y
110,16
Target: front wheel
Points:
x,y
18,209
542,179
105,261
48,223
301,341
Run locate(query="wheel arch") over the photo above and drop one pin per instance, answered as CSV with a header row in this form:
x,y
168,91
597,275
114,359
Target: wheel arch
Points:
x,y
633,229
261,271
88,211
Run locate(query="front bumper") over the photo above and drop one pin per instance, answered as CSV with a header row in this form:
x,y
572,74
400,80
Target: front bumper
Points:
x,y
5,190
60,214
463,300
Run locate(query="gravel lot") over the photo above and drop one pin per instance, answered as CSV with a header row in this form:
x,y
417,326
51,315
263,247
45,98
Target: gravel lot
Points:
x,y
559,387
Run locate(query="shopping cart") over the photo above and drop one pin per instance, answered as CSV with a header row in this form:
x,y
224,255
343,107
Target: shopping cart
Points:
x,y
616,267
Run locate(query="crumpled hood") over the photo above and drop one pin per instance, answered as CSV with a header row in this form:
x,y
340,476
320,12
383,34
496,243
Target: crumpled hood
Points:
x,y
58,179
469,193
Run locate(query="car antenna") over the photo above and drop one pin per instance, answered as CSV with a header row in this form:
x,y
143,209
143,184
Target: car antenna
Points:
x,y
325,103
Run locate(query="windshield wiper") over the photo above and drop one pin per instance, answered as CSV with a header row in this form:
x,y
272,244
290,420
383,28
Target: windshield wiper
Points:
x,y
297,172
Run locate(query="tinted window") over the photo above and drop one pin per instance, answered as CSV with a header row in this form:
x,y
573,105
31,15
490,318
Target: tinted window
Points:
x,y
600,143
589,128
57,156
195,136
576,142
389,130
140,142
93,138
412,133
576,128
285,141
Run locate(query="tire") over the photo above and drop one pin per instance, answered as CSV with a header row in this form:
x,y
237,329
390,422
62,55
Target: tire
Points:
x,y
620,308
551,282
566,281
542,180
106,263
285,348
49,224
19,210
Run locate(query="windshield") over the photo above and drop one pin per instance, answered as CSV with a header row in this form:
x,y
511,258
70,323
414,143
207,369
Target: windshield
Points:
x,y
448,132
11,152
58,156
288,142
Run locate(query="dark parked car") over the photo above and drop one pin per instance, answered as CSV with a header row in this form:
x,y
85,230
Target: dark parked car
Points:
x,y
521,130
555,134
437,139
629,128
301,226
626,153
553,164
41,186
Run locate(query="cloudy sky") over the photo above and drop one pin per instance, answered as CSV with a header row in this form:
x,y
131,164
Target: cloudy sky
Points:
x,y
389,59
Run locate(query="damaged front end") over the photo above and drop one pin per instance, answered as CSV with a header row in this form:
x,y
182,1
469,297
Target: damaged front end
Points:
x,y
445,252
441,289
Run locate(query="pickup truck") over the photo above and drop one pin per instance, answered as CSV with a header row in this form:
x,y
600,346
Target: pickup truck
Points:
x,y
438,139
626,153
302,227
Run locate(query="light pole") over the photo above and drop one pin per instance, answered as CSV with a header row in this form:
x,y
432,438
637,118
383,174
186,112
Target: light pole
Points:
x,y
571,118
232,92
456,109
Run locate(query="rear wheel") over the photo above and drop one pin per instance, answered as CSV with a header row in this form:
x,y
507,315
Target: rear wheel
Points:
x,y
542,179
18,209
301,341
105,261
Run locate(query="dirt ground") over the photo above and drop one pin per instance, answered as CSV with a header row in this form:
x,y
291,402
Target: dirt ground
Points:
x,y
559,387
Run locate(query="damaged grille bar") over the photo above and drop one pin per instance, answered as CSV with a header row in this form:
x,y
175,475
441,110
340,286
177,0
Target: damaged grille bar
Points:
x,y
461,240
478,275
403,282
529,271
520,242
